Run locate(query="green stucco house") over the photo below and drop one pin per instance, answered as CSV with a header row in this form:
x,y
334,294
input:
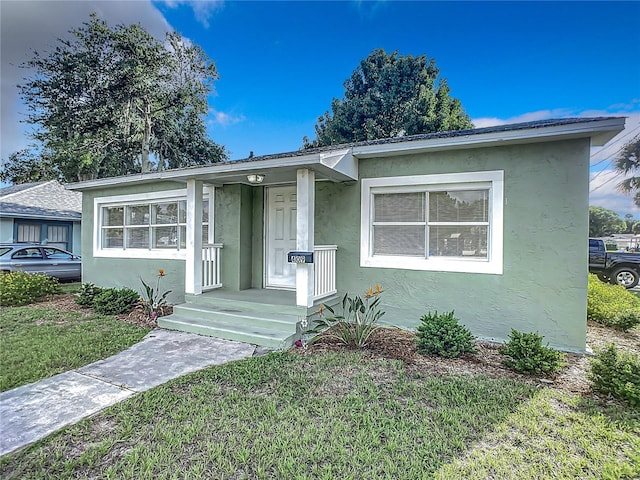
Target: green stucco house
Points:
x,y
490,222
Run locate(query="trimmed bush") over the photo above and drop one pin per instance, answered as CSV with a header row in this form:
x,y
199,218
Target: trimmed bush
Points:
x,y
612,305
114,301
21,288
617,373
441,334
526,354
88,294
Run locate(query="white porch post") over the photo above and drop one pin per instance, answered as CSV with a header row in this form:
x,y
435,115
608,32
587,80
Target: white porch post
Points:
x,y
306,198
193,269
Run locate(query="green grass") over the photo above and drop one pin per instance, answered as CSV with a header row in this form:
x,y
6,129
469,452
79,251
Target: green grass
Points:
x,y
38,342
340,415
71,287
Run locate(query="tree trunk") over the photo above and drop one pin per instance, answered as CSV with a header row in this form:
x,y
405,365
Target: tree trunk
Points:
x,y
146,137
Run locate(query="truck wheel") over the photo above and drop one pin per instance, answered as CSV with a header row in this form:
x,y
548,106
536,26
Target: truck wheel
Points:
x,y
625,276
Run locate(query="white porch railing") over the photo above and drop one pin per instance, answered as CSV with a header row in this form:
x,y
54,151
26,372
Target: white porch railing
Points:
x,y
324,261
211,266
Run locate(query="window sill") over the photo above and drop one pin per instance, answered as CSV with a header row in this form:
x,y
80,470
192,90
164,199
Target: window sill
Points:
x,y
433,264
141,254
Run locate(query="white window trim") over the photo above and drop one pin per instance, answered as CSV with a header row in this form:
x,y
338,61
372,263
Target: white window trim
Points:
x,y
494,180
118,200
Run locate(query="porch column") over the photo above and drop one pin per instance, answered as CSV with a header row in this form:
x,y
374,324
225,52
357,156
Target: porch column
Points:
x,y
306,199
193,268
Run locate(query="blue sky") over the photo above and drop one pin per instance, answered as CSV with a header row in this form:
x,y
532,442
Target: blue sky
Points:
x,y
281,63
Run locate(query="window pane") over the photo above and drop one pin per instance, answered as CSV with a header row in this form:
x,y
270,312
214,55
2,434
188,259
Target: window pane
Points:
x,y
165,237
138,237
398,240
138,215
399,207
183,237
55,253
112,216
163,213
28,233
459,206
205,210
57,233
112,238
183,211
205,234
458,241
28,253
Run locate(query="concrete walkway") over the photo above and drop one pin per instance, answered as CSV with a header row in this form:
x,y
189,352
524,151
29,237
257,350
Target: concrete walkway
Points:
x,y
33,411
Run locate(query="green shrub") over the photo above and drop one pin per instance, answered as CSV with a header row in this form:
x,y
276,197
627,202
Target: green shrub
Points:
x,y
441,334
355,325
114,301
526,354
21,288
612,305
617,373
88,294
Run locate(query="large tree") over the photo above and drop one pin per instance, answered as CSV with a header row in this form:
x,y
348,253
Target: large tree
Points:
x,y
112,101
389,95
603,222
628,162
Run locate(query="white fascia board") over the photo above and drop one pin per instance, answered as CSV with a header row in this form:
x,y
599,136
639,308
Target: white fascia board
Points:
x,y
209,174
600,132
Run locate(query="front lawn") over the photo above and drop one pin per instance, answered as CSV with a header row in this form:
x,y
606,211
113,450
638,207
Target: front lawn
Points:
x,y
341,415
41,340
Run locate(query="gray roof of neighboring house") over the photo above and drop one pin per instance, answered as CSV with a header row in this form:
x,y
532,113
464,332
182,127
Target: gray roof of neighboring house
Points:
x,y
48,200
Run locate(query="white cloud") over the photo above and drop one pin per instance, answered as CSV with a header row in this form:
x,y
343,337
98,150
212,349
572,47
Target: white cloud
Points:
x,y
603,185
35,25
603,192
224,119
203,10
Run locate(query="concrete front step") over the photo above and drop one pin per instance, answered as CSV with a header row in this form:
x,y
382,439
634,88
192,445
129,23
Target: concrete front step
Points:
x,y
265,337
245,305
237,316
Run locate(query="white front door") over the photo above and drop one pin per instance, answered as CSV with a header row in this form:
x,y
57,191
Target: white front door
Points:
x,y
280,237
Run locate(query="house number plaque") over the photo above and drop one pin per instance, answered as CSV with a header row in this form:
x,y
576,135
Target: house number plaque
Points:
x,y
300,257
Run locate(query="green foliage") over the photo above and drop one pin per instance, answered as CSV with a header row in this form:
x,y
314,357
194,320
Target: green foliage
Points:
x,y
390,95
441,334
114,301
617,373
88,294
610,247
603,222
26,166
526,354
628,164
612,305
110,101
357,322
154,300
21,288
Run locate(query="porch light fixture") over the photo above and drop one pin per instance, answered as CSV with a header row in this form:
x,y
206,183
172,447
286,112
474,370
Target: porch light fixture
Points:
x,y
255,178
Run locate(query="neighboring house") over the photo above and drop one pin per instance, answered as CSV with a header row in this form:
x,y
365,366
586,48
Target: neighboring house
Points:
x,y
490,222
43,212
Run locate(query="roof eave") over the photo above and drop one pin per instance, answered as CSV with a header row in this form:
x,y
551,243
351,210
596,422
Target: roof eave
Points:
x,y
600,132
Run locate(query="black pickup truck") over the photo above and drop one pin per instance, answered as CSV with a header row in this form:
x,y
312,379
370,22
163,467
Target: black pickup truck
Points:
x,y
614,267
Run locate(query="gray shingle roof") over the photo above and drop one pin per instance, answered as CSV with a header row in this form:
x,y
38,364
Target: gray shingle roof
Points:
x,y
40,200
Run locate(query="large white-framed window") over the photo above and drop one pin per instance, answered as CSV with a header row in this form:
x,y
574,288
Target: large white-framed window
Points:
x,y
442,222
149,225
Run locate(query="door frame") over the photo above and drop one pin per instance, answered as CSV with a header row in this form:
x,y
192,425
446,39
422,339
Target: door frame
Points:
x,y
265,242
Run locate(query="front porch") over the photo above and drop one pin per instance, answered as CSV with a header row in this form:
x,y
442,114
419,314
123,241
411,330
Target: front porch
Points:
x,y
265,317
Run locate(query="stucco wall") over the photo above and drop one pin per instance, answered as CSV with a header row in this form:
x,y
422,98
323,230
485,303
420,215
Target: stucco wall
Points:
x,y
543,287
126,272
